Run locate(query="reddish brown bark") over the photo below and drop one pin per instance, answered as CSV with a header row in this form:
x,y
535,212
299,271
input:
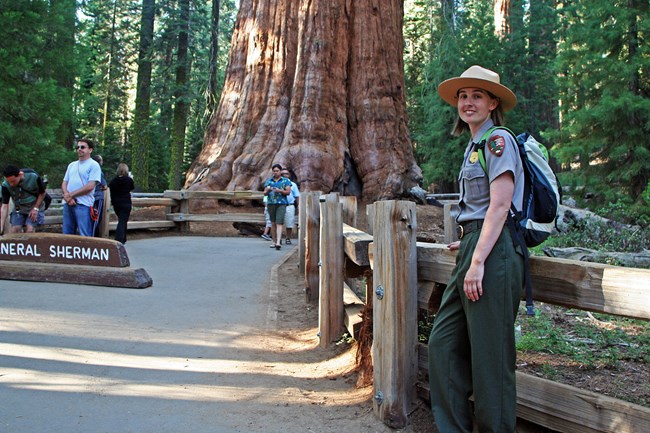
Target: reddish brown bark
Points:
x,y
318,87
502,17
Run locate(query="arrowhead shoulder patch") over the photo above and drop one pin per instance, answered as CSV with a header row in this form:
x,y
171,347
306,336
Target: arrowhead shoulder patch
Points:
x,y
496,144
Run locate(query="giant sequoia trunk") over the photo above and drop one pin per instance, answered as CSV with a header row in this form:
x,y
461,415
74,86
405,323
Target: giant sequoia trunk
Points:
x,y
317,86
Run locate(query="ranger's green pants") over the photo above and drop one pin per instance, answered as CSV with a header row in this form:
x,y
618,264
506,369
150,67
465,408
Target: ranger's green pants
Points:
x,y
472,344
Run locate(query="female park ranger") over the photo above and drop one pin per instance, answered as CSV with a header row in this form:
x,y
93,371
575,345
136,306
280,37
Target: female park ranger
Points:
x,y
472,343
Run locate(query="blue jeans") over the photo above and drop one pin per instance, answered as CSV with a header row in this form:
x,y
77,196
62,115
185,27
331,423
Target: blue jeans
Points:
x,y
77,218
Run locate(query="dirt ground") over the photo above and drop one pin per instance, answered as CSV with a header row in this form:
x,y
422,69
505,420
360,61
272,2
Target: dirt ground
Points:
x,y
297,325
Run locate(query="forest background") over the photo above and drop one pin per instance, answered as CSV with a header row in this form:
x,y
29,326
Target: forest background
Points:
x,y
142,78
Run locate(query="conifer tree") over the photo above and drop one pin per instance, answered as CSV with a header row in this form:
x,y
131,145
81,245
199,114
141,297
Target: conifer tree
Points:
x,y
605,104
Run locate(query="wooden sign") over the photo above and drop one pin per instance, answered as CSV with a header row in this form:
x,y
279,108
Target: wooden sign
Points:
x,y
57,258
65,249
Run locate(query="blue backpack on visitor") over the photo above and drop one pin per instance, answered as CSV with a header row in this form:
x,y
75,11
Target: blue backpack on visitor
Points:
x,y
542,198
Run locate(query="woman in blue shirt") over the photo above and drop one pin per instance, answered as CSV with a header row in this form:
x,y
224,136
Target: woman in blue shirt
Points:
x,y
277,188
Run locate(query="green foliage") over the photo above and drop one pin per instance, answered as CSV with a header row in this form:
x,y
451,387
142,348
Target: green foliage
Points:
x,y
597,51
32,105
604,95
598,235
425,324
457,38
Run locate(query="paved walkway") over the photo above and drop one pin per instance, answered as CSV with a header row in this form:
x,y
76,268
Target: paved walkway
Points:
x,y
163,359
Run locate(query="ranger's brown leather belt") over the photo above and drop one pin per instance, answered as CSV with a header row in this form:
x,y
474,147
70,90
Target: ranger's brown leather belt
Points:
x,y
468,227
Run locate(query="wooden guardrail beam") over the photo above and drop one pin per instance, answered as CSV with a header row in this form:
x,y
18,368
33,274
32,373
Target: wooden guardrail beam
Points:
x,y
584,285
141,225
225,217
153,201
355,244
217,195
563,407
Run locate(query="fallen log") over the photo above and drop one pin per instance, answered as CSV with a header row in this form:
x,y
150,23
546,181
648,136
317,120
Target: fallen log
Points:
x,y
630,260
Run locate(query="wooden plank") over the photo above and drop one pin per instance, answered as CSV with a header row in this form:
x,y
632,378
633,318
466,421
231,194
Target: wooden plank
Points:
x,y
310,202
216,195
435,262
141,225
587,286
356,245
58,248
350,297
565,408
425,290
75,274
153,201
330,284
352,306
352,319
568,409
53,219
395,298
592,286
222,217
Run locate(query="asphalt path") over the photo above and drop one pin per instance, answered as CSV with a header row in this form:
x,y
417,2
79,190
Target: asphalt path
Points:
x,y
76,358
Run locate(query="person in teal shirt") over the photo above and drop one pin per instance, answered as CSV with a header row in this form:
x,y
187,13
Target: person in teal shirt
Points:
x,y
276,189
27,190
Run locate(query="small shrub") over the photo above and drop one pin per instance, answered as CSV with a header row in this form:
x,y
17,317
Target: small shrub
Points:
x,y
599,235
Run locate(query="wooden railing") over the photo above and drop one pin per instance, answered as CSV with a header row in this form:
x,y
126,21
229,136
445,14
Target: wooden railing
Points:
x,y
400,275
404,274
177,214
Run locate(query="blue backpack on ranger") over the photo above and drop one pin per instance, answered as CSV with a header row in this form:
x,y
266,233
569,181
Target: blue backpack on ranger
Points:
x,y
541,202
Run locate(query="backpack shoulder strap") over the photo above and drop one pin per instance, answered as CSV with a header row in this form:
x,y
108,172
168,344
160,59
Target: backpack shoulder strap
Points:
x,y
483,141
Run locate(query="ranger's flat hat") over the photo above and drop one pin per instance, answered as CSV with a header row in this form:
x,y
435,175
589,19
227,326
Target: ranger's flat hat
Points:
x,y
479,77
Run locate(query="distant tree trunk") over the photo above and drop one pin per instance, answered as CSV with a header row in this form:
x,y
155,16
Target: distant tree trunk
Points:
x,y
542,94
317,87
109,76
141,136
181,103
502,17
214,54
639,182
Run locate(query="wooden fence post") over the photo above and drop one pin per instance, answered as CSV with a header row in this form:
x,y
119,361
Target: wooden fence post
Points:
x,y
450,212
103,225
302,238
349,208
7,222
394,350
184,226
311,206
330,287
370,215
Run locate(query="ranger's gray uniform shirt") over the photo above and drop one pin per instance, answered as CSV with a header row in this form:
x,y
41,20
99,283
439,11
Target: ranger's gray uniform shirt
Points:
x,y
475,183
